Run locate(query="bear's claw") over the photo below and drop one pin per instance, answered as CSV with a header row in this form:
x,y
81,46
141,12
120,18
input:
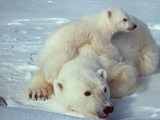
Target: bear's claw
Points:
x,y
42,94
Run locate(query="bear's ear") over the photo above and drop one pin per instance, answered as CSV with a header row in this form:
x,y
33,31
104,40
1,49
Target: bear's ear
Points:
x,y
102,73
109,13
59,85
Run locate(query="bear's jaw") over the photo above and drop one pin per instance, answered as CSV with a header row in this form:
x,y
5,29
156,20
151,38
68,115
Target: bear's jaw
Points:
x,y
71,109
102,115
80,114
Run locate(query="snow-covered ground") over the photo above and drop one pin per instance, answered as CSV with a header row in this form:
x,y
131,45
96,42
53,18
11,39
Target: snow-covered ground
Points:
x,y
24,26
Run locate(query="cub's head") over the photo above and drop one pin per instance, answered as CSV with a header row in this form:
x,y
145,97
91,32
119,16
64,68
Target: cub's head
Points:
x,y
119,20
87,94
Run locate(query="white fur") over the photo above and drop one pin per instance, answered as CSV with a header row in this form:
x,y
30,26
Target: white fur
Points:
x,y
81,74
85,71
138,48
88,72
140,55
96,29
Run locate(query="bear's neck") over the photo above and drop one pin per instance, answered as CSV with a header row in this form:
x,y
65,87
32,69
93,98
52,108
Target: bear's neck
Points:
x,y
107,32
105,29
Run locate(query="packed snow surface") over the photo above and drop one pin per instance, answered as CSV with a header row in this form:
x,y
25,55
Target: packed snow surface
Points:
x,y
25,24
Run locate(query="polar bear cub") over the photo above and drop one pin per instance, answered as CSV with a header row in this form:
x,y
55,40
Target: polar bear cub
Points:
x,y
138,48
96,29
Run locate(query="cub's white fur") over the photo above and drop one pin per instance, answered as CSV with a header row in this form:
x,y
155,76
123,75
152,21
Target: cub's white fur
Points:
x,y
138,48
96,29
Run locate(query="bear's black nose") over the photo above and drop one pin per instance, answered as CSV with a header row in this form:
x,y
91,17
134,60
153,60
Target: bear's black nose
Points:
x,y
134,26
108,109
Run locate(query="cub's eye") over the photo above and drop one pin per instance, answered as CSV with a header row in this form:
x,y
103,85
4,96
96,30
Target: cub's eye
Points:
x,y
125,20
105,90
87,93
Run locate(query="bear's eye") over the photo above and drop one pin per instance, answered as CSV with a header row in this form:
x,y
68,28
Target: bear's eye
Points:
x,y
125,20
105,90
87,93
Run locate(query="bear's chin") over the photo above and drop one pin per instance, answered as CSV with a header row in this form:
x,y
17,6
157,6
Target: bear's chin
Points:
x,y
102,115
106,116
129,29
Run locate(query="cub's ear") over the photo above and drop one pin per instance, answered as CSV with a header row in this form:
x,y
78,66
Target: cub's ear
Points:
x,y
109,13
102,73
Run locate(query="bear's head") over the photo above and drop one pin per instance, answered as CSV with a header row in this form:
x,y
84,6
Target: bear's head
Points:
x,y
86,94
119,20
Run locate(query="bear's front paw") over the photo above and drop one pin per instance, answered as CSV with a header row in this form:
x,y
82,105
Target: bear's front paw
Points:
x,y
40,93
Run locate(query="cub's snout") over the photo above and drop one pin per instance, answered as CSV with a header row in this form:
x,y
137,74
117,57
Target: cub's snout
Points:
x,y
132,27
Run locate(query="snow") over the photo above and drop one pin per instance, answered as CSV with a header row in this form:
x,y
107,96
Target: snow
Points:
x,y
28,114
25,24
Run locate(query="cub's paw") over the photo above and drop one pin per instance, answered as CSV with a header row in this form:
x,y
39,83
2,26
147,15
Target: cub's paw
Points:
x,y
40,93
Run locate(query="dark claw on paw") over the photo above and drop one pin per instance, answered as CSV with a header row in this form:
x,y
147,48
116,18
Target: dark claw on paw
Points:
x,y
46,97
30,95
36,97
41,96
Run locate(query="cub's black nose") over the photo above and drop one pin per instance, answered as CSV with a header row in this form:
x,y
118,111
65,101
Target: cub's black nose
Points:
x,y
134,26
108,109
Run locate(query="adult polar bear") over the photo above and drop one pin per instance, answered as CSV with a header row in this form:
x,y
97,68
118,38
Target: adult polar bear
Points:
x,y
62,46
138,49
81,86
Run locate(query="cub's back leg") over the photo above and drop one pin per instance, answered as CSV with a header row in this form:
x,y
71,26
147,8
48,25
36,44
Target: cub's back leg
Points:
x,y
123,81
148,59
